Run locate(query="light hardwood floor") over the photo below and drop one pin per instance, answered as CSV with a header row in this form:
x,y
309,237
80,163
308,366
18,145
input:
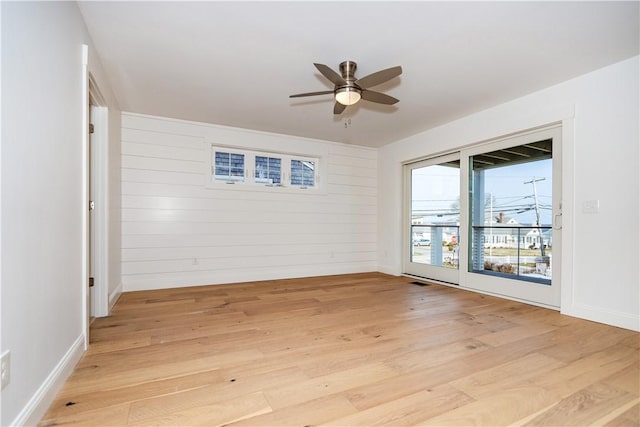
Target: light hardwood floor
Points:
x,y
351,350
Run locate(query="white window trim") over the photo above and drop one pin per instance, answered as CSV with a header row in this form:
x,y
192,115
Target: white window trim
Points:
x,y
250,183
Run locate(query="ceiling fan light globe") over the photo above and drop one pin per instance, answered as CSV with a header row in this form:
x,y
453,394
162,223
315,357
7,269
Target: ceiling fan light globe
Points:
x,y
347,95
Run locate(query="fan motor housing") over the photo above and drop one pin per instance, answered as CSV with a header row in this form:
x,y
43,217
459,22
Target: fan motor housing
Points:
x,y
348,70
350,93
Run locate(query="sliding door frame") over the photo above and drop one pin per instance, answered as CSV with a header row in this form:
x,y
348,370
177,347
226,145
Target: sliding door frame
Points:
x,y
562,131
539,294
446,275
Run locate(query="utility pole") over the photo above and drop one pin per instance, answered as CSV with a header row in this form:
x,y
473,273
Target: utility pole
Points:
x,y
535,198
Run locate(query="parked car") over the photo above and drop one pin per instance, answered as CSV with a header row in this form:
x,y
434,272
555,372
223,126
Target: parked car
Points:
x,y
421,242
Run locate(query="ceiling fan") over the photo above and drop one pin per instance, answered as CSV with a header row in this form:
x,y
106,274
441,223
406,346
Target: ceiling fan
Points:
x,y
348,90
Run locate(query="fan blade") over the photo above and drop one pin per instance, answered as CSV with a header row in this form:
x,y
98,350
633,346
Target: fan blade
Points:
x,y
378,97
333,77
298,95
379,77
338,108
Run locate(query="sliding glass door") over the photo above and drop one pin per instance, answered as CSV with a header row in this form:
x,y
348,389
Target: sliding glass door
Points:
x,y
514,210
432,235
504,235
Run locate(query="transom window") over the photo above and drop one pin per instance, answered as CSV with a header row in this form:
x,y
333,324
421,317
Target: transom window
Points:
x,y
233,166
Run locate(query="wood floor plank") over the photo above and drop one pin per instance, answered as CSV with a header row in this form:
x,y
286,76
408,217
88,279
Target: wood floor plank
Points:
x,y
572,343
583,406
437,373
109,416
436,355
82,402
581,373
627,379
115,378
234,386
354,349
314,388
310,413
409,410
516,333
506,376
500,409
627,417
216,414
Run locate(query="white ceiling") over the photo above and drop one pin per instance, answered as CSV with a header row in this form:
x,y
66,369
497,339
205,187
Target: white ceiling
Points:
x,y
236,63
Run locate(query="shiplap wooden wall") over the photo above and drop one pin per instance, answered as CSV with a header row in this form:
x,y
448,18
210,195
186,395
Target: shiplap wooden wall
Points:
x,y
176,231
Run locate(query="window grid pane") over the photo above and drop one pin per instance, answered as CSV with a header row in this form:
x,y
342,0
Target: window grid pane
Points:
x,y
296,172
308,173
268,170
229,166
237,164
303,173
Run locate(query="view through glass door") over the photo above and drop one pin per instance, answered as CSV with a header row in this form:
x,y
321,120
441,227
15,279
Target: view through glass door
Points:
x,y
514,207
432,238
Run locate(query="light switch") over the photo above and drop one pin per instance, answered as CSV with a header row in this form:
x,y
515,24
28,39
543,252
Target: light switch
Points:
x,y
591,206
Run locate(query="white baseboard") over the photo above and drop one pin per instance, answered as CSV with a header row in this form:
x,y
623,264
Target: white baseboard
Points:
x,y
608,317
113,297
389,269
37,406
249,275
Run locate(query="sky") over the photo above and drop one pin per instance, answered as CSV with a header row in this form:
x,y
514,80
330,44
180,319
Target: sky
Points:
x,y
436,190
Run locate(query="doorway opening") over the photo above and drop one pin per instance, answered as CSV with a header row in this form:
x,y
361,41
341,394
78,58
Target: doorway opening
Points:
x,y
99,200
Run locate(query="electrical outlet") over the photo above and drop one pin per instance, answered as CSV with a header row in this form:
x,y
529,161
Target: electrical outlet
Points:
x,y
5,368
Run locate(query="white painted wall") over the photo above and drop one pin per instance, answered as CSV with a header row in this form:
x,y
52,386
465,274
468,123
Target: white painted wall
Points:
x,y
600,110
41,199
178,232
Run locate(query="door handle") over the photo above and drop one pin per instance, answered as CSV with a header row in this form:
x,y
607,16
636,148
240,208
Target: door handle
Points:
x,y
557,221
